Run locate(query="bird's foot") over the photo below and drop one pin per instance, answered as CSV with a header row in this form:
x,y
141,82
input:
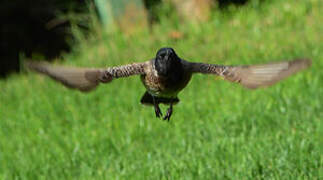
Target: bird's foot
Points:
x,y
168,114
158,111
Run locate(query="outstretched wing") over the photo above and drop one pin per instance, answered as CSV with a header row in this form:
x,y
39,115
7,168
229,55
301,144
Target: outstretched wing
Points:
x,y
85,79
255,76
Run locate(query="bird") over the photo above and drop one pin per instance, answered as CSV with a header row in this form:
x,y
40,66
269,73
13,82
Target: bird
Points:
x,y
166,75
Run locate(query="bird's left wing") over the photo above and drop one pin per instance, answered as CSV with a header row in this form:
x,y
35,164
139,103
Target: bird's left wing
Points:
x,y
85,79
254,76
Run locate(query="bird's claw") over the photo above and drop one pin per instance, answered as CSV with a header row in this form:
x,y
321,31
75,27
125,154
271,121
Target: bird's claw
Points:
x,y
158,112
168,114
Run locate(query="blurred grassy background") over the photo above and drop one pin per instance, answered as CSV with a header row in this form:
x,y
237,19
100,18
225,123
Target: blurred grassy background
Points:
x,y
218,131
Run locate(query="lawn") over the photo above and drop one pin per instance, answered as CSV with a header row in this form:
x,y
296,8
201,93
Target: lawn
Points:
x,y
219,130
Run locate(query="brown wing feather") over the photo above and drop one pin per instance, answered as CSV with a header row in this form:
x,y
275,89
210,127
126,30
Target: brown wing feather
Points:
x,y
255,76
264,75
84,79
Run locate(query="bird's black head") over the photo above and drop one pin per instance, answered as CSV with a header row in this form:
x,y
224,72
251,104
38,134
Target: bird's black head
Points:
x,y
166,61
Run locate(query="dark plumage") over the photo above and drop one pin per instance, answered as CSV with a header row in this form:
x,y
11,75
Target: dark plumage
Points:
x,y
167,74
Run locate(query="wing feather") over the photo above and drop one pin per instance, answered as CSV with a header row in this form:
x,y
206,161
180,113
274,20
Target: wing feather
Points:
x,y
265,75
255,76
84,79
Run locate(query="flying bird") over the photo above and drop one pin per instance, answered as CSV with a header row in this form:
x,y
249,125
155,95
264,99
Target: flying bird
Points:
x,y
167,74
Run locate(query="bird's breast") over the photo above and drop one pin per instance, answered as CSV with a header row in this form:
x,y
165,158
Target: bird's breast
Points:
x,y
165,87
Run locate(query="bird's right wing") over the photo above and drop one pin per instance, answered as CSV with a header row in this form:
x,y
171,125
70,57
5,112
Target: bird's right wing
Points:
x,y
254,76
85,79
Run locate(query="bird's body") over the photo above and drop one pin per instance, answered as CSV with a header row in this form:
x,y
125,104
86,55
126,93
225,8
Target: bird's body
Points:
x,y
167,74
165,87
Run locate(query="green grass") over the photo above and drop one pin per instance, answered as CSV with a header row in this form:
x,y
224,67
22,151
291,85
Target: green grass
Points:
x,y
219,130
